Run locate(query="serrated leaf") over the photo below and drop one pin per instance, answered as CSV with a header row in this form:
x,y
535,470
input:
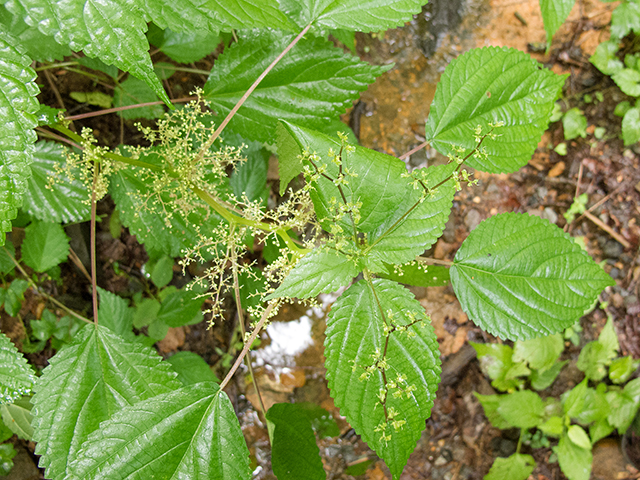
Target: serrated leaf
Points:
x,y
631,127
515,467
417,275
289,164
321,271
138,212
314,83
622,368
184,47
519,276
542,379
574,124
554,13
250,177
624,19
6,263
192,432
17,417
132,92
182,307
360,16
17,378
191,368
18,105
605,59
115,314
37,46
522,409
491,85
294,452
628,80
540,353
574,461
355,343
45,246
51,196
112,30
490,404
85,383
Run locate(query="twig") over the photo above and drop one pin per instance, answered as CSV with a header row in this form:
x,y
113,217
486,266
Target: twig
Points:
x,y
597,204
54,88
233,111
78,263
53,136
126,107
434,261
569,226
617,237
247,344
414,150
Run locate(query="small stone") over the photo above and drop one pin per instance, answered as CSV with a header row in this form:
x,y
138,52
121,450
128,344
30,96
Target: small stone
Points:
x,y
630,300
618,300
550,215
614,273
608,462
472,219
612,249
449,233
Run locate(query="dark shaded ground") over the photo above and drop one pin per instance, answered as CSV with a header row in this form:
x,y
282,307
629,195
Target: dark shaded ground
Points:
x,y
458,442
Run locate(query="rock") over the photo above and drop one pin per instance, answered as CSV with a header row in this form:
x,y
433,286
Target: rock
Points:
x,y
174,339
630,300
550,215
614,273
608,461
449,233
612,249
472,219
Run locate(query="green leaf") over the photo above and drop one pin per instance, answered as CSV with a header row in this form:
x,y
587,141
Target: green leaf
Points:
x,y
596,355
115,314
360,16
554,13
573,400
355,346
45,246
7,452
540,353
622,368
112,30
321,271
575,124
605,59
314,83
146,312
600,430
16,376
18,105
192,432
347,38
37,46
96,64
322,421
579,437
515,467
51,196
624,19
14,296
628,80
553,427
191,368
631,127
184,47
85,383
609,339
294,452
522,409
6,263
133,91
542,379
519,276
17,417
624,405
181,307
496,362
574,461
490,404
289,163
161,272
250,178
417,274
99,99
492,85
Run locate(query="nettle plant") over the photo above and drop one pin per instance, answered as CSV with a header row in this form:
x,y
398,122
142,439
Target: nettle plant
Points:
x,y
108,406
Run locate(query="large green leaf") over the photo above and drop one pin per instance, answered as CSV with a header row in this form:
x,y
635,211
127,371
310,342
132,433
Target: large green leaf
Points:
x,y
417,275
190,433
45,246
322,270
112,30
60,200
574,461
313,84
360,16
379,185
16,376
359,370
540,353
18,105
85,383
554,13
624,19
487,86
522,409
183,47
115,314
294,452
518,276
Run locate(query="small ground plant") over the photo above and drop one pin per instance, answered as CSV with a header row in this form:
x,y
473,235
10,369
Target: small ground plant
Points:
x,y
108,406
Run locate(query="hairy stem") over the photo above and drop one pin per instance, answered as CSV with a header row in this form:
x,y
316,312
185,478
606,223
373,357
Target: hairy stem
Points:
x,y
248,343
43,294
414,150
127,107
233,111
92,241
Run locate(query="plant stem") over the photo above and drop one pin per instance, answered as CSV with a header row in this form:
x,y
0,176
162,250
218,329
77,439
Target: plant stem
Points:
x,y
55,65
53,136
127,107
233,111
434,261
414,150
43,294
248,343
92,241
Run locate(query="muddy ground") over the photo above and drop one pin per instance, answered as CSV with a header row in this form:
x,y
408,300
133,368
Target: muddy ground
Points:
x,y
458,442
